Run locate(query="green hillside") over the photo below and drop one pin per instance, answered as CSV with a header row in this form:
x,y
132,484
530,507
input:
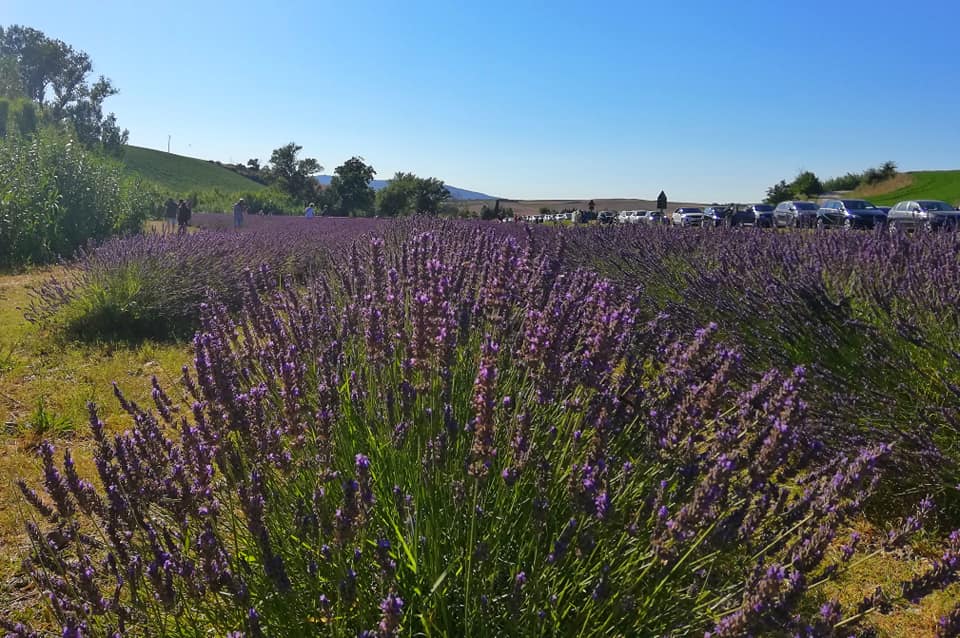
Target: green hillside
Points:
x,y
943,185
183,174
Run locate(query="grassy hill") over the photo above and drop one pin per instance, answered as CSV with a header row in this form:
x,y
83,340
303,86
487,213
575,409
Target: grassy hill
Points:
x,y
943,185
183,174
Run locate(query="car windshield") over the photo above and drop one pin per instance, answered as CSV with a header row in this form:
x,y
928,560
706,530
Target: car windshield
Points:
x,y
690,210
805,206
763,208
858,204
936,205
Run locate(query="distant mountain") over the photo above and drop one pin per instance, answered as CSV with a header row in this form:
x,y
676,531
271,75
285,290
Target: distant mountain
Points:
x,y
455,193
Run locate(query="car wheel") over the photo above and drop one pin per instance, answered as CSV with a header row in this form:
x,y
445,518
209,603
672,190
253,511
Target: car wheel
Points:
x,y
847,223
821,224
893,228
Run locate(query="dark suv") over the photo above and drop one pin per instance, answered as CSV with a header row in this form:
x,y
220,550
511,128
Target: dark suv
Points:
x,y
850,213
763,213
731,215
607,217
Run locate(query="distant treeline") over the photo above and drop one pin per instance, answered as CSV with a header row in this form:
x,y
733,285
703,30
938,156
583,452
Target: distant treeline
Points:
x,y
806,184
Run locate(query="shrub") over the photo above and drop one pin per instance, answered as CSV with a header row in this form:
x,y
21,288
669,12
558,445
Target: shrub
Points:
x,y
58,196
152,286
270,200
26,117
4,116
874,318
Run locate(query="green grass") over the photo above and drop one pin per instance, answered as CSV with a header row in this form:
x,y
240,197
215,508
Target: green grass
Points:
x,y
45,383
184,174
942,185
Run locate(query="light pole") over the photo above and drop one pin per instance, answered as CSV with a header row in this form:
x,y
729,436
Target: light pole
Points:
x,y
168,143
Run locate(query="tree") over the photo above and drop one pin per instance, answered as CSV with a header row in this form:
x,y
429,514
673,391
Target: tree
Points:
x,y
350,193
293,175
779,192
887,170
48,66
806,184
408,193
662,201
253,164
396,198
10,84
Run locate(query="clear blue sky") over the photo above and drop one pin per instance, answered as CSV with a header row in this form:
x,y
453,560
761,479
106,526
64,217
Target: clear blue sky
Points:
x,y
707,100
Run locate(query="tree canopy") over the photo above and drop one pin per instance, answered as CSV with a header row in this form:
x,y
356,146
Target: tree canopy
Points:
x,y
54,75
407,193
350,193
292,174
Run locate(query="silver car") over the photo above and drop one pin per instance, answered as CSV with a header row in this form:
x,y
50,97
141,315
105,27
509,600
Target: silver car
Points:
x,y
690,216
926,214
794,213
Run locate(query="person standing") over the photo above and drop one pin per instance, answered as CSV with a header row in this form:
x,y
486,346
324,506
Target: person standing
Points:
x,y
309,212
183,217
238,209
170,213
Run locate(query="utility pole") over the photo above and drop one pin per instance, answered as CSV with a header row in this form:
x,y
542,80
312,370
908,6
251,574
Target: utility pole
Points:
x,y
168,143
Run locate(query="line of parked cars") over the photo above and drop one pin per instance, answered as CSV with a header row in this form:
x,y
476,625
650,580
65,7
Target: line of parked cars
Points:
x,y
831,213
922,214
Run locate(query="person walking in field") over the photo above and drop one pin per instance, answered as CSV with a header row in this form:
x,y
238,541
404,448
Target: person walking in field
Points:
x,y
183,217
170,213
309,212
238,210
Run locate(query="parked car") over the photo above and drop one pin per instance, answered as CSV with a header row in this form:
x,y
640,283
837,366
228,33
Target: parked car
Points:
x,y
849,213
926,214
732,215
763,215
688,216
607,217
650,217
795,213
717,213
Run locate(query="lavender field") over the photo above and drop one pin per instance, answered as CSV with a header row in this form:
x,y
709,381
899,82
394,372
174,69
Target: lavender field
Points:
x,y
422,428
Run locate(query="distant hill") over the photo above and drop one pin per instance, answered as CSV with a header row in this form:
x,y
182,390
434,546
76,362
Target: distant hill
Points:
x,y
942,185
183,174
455,193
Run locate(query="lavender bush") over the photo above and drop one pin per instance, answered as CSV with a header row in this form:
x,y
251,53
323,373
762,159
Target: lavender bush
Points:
x,y
875,320
457,435
152,285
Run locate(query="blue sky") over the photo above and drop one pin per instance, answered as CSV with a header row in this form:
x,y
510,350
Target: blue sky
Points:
x,y
706,100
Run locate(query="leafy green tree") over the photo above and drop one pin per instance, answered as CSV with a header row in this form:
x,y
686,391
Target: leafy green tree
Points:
x,y
408,193
350,193
395,199
887,170
806,184
779,192
50,68
293,175
10,83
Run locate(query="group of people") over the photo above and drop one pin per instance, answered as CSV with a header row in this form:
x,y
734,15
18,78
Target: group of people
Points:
x,y
177,213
